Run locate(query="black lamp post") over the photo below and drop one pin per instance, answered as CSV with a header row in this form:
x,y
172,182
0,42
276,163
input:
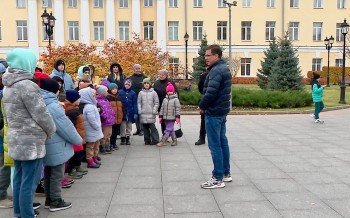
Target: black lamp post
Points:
x,y
344,30
234,3
186,37
49,22
329,44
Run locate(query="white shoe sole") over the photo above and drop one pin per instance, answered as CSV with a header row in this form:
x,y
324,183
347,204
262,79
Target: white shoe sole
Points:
x,y
214,186
227,179
61,208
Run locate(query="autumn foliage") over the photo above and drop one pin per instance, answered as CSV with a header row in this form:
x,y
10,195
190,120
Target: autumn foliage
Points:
x,y
129,53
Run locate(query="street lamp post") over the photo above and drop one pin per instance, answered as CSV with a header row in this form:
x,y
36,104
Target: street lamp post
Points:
x,y
329,43
234,3
49,22
186,37
344,30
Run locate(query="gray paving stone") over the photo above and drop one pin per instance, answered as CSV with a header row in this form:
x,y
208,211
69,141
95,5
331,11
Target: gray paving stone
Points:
x,y
138,196
190,204
141,171
181,175
297,167
313,178
140,182
134,211
341,206
142,162
278,185
243,164
237,193
330,191
326,162
90,190
315,213
294,201
195,215
252,209
183,188
180,165
265,173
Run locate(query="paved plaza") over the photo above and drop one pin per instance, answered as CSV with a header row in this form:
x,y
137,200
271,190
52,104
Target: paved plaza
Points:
x,y
282,166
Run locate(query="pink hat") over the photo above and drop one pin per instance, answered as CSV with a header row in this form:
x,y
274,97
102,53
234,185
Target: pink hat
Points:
x,y
170,88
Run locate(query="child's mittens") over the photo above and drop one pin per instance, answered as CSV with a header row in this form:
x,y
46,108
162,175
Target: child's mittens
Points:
x,y
160,120
177,120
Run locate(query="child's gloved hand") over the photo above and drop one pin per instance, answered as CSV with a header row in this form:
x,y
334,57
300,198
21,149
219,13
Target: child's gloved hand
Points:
x,y
135,116
177,120
160,120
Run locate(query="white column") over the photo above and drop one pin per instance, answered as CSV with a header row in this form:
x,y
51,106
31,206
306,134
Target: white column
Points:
x,y
136,17
85,21
33,29
58,30
110,19
161,27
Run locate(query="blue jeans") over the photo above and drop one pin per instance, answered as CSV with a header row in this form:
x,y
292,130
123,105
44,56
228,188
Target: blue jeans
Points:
x,y
218,145
26,178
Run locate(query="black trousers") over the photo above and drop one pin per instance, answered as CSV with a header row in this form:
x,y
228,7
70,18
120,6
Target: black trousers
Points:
x,y
202,131
115,132
138,125
163,126
75,161
150,132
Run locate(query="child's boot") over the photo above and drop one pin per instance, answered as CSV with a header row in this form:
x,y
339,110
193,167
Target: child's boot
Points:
x,y
107,149
162,142
174,143
122,140
127,140
91,164
111,147
96,160
102,149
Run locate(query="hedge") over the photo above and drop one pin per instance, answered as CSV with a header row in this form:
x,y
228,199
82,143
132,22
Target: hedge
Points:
x,y
334,73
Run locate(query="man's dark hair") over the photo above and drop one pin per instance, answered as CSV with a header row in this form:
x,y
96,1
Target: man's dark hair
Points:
x,y
215,49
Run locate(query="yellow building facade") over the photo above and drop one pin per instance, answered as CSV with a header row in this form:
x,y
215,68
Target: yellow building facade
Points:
x,y
254,24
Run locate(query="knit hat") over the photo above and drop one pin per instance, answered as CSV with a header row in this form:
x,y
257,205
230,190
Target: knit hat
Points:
x,y
146,80
2,68
86,69
50,85
58,79
72,95
170,88
58,63
112,86
21,58
316,76
105,83
3,61
101,90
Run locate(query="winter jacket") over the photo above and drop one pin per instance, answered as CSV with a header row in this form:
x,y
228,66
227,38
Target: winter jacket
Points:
x,y
62,95
160,87
8,161
171,108
147,103
201,81
59,147
73,113
92,121
129,100
108,115
317,92
137,82
114,78
217,90
81,73
68,83
117,106
29,122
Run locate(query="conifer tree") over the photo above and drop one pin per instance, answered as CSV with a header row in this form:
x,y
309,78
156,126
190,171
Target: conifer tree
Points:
x,y
200,65
271,54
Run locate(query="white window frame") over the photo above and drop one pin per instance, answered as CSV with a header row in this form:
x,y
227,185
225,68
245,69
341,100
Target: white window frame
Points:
x,y
123,3
338,35
173,30
45,36
271,3
221,30
246,67
148,30
293,31
72,3
22,30
173,3
124,28
221,4
198,3
98,3
339,62
21,3
270,30
247,3
99,30
73,30
317,31
294,3
246,30
148,3
318,3
197,30
316,64
47,3
341,4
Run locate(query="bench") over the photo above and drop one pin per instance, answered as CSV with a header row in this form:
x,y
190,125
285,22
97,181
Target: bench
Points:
x,y
347,80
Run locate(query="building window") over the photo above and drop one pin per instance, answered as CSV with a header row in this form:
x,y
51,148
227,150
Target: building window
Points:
x,y
20,3
99,30
318,4
72,3
173,30
247,3
73,30
98,3
22,30
47,3
45,36
339,37
222,30
317,31
245,66
246,28
148,28
123,3
271,3
341,3
294,30
270,30
338,62
174,64
294,3
316,64
148,3
197,3
197,30
173,3
221,4
124,30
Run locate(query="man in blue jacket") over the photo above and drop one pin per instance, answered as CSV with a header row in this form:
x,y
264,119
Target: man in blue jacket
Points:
x,y
215,103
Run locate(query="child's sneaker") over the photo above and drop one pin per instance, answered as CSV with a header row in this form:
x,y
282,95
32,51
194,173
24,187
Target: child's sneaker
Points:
x,y
227,178
65,184
59,204
312,115
47,203
107,149
111,148
81,170
75,175
213,183
6,203
319,121
115,146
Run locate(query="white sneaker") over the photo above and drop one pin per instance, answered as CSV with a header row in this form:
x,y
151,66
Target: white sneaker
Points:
x,y
312,115
319,121
213,183
6,203
227,178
